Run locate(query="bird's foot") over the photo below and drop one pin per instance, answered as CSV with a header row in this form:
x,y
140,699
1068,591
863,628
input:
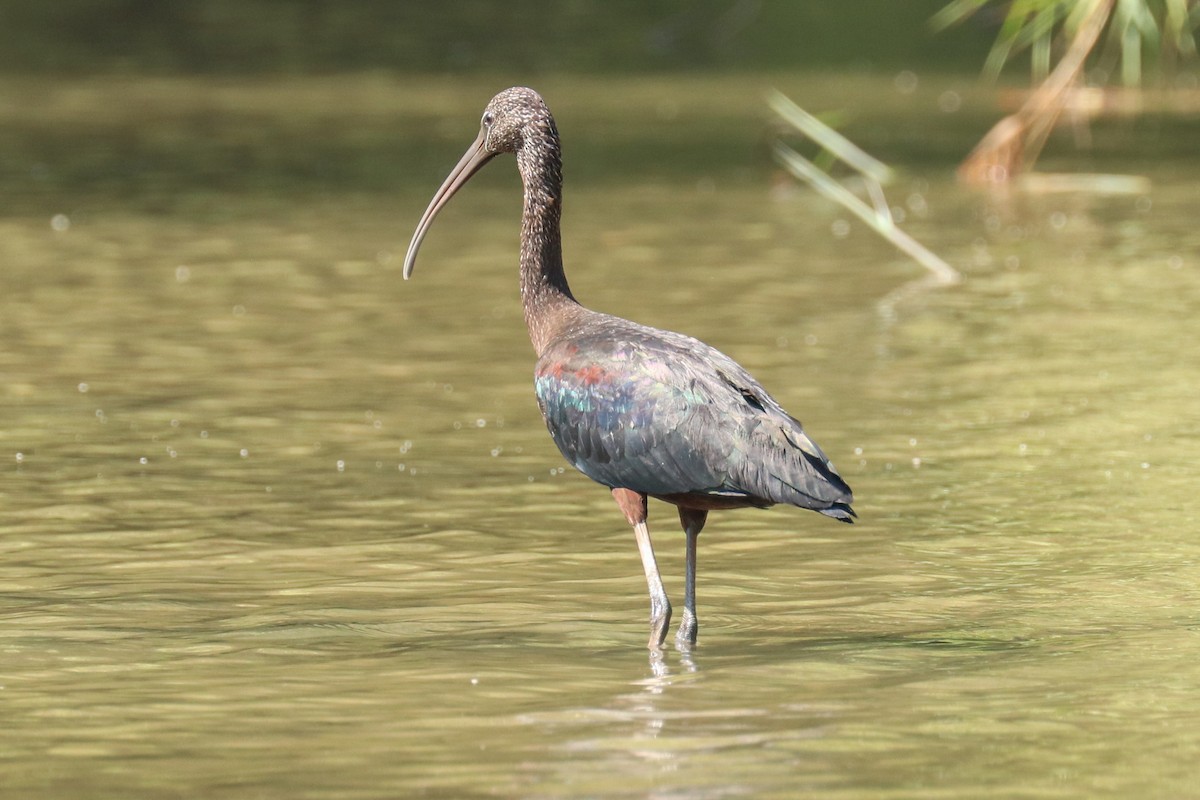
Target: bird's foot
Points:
x,y
660,620
688,628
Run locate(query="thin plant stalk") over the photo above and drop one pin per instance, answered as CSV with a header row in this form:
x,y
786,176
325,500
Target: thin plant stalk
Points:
x,y
837,145
881,223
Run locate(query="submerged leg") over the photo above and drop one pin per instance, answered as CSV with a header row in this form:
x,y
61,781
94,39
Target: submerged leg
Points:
x,y
693,522
633,505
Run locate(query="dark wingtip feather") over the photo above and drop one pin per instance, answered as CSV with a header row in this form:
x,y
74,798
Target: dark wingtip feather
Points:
x,y
840,511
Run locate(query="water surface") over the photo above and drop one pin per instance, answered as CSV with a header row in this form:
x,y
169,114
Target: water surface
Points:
x,y
276,523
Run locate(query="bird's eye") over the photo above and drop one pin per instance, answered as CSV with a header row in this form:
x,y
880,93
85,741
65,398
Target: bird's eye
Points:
x,y
488,118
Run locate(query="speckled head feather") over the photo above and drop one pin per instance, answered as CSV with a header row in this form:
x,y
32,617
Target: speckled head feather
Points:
x,y
518,121
513,116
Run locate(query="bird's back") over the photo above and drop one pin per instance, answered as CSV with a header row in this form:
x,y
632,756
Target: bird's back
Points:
x,y
666,415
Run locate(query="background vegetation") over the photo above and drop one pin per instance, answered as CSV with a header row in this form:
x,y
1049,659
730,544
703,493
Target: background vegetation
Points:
x,y
322,36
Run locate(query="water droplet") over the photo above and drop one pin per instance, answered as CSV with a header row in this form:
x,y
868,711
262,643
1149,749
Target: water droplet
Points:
x,y
1058,220
497,451
377,424
840,228
949,101
341,465
401,467
83,387
458,426
61,223
20,457
143,460
244,453
183,273
481,423
239,310
203,434
1022,447
858,451
906,81
916,462
912,442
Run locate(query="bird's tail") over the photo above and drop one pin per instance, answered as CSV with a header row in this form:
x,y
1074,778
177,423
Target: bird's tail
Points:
x,y
813,478
842,512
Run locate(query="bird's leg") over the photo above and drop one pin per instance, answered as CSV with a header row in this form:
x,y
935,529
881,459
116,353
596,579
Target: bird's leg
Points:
x,y
660,606
693,522
633,505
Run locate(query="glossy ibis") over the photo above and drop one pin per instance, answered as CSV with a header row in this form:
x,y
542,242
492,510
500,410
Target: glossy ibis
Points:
x,y
645,412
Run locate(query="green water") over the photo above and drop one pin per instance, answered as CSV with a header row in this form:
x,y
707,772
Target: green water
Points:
x,y
275,523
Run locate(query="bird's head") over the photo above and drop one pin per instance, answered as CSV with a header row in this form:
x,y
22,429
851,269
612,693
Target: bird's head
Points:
x,y
510,120
512,117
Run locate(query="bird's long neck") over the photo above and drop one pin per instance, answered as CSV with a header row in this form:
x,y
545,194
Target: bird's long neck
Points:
x,y
549,304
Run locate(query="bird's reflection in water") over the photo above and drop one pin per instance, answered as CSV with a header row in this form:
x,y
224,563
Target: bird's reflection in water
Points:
x,y
662,671
645,704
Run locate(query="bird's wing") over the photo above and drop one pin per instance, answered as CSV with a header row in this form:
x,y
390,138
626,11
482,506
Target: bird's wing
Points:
x,y
621,419
666,414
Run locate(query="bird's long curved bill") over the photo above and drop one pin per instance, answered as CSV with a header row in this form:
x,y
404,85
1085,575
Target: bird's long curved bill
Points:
x,y
476,156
